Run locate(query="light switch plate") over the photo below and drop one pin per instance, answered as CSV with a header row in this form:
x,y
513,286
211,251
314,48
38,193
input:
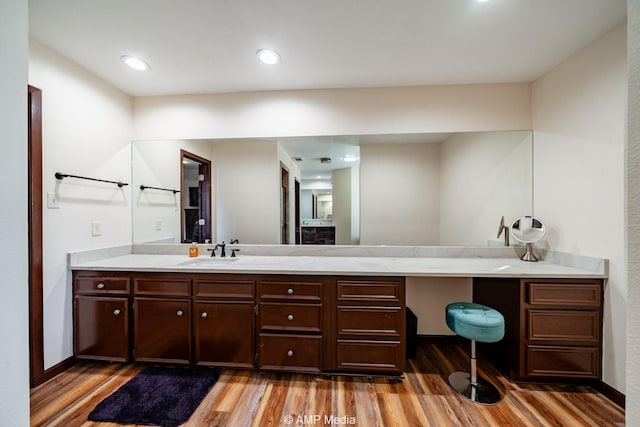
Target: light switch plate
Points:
x,y
96,228
158,225
52,200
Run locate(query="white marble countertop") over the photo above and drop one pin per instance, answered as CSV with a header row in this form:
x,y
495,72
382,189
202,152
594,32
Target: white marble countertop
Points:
x,y
441,266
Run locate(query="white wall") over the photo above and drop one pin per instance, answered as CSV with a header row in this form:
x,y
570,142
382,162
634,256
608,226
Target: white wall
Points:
x,y
14,304
416,109
86,131
355,205
427,297
244,204
633,216
400,194
579,121
306,204
483,176
341,204
157,164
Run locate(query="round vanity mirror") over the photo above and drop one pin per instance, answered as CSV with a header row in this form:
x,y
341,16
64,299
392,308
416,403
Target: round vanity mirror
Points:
x,y
529,230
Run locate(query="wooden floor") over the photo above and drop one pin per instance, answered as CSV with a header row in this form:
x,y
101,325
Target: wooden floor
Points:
x,y
421,398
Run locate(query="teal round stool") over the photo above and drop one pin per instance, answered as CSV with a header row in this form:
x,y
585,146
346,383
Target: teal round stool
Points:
x,y
475,322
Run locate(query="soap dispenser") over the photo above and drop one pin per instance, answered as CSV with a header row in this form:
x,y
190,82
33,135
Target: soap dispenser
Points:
x,y
193,250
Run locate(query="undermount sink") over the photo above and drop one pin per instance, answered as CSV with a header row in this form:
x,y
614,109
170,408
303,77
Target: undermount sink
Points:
x,y
209,261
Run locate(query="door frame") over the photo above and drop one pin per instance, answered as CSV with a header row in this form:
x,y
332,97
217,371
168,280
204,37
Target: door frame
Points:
x,y
296,203
204,194
37,373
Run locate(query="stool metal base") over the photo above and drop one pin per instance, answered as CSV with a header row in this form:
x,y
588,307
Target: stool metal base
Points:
x,y
482,392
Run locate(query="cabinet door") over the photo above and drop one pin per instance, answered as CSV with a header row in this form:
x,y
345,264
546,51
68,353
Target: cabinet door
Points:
x,y
162,330
224,333
101,328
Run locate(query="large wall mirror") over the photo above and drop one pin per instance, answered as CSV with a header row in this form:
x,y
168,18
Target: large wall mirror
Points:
x,y
405,189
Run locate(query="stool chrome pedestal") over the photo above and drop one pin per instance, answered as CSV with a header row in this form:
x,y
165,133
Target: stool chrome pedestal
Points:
x,y
473,387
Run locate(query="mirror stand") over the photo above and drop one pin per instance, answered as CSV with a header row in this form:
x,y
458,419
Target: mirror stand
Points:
x,y
528,230
529,256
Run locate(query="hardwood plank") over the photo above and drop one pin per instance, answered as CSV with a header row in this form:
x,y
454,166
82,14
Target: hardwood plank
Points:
x,y
422,398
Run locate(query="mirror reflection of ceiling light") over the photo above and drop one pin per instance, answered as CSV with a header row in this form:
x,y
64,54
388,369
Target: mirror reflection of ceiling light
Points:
x,y
268,56
135,63
350,158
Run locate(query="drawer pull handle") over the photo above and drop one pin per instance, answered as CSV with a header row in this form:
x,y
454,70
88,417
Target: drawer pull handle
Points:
x,y
116,312
290,353
204,314
290,291
290,317
100,286
180,313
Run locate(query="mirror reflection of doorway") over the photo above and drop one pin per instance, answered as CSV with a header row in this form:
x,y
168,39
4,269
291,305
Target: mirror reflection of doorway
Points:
x,y
195,200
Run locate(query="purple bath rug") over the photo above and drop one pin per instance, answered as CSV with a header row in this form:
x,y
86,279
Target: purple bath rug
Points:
x,y
161,396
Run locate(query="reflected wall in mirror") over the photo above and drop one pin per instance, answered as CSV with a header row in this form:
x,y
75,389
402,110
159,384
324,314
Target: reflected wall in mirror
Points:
x,y
411,189
159,213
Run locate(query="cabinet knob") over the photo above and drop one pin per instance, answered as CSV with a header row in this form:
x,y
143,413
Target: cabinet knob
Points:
x,y
100,285
180,313
116,312
204,314
290,291
290,317
290,353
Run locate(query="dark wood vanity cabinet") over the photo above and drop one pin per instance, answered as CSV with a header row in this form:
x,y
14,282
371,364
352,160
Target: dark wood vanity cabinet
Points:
x,y
298,323
370,324
223,320
101,316
553,328
318,235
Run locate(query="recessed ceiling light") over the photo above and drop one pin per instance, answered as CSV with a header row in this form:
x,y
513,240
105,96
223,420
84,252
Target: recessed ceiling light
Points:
x,y
135,63
268,56
482,1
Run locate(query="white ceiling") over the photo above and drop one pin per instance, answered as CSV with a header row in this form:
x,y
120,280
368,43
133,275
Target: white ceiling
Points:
x,y
208,46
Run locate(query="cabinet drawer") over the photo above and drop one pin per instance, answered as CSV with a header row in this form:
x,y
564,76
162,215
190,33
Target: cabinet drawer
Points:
x,y
564,294
370,356
290,290
222,289
102,285
291,352
291,317
562,361
564,325
161,286
362,290
365,320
